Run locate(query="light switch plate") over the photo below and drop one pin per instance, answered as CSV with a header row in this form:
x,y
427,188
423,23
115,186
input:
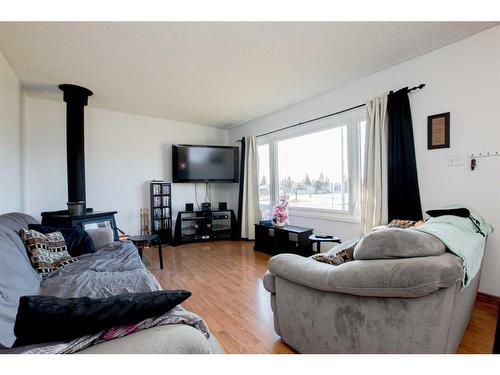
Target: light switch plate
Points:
x,y
454,160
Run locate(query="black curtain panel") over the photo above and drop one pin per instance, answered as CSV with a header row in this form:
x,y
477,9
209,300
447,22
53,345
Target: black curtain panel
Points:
x,y
242,175
402,180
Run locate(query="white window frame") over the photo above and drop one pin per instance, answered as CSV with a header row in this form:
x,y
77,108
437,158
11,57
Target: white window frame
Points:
x,y
350,119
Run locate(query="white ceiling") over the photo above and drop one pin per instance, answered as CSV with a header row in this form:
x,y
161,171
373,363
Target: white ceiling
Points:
x,y
216,74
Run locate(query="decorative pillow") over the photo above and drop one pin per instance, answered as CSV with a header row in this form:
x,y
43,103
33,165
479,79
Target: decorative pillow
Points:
x,y
341,253
398,223
78,242
47,252
101,237
47,319
460,211
398,243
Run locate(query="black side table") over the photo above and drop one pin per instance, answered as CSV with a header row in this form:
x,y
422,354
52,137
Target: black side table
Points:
x,y
142,241
318,240
274,240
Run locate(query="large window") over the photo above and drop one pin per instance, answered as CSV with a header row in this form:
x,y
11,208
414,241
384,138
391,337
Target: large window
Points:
x,y
318,167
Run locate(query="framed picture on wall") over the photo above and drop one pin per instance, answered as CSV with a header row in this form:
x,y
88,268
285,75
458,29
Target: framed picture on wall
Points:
x,y
438,131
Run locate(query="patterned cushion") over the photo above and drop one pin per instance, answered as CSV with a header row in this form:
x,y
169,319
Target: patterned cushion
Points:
x,y
47,252
339,254
398,223
78,241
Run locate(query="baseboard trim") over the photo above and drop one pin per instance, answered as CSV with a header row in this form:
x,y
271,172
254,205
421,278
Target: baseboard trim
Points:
x,y
488,298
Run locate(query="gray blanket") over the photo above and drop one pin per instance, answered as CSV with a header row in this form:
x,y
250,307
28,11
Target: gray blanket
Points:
x,y
113,270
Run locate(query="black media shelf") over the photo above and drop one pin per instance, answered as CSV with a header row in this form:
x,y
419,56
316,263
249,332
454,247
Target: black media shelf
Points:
x,y
197,226
161,210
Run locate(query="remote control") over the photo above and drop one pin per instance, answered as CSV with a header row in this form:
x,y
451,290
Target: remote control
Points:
x,y
324,236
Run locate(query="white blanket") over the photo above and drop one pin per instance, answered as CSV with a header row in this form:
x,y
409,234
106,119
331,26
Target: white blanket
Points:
x,y
461,237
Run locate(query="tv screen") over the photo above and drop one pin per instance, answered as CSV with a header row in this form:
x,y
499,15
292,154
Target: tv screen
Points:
x,y
192,163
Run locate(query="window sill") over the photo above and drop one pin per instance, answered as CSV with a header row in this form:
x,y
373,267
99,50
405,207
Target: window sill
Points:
x,y
324,215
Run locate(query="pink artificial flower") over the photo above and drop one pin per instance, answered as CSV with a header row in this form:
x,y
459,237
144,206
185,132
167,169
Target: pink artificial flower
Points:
x,y
280,211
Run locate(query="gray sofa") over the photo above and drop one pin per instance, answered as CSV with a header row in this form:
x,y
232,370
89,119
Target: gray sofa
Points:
x,y
411,305
114,269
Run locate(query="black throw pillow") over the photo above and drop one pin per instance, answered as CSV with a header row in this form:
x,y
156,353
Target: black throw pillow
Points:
x,y
78,242
43,319
461,212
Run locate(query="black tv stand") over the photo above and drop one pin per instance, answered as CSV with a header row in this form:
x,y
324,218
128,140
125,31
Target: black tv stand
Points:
x,y
197,226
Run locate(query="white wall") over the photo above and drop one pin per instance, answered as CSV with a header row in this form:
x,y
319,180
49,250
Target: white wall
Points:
x,y
462,78
10,139
123,152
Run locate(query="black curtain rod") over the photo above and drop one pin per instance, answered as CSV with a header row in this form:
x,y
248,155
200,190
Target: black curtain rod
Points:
x,y
421,86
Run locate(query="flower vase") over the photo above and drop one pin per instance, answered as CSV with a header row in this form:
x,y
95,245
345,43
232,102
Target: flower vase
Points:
x,y
279,224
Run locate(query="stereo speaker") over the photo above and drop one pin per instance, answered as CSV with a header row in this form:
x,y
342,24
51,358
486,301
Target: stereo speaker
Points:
x,y
222,206
189,207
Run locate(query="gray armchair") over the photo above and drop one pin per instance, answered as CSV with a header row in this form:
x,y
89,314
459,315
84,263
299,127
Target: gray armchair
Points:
x,y
410,305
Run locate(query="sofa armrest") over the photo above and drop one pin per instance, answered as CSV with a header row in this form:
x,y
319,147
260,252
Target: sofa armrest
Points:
x,y
269,282
405,277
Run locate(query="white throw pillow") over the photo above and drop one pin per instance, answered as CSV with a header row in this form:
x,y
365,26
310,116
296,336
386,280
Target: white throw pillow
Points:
x,y
101,237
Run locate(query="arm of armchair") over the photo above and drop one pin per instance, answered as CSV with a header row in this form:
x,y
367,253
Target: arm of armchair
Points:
x,y
404,277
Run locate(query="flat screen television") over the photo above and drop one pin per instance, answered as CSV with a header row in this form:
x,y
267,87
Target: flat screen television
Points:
x,y
198,163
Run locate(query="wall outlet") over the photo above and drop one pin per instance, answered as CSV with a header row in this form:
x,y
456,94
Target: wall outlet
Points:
x,y
454,160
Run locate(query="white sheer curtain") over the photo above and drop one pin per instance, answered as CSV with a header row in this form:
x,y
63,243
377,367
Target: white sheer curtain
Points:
x,y
374,209
250,205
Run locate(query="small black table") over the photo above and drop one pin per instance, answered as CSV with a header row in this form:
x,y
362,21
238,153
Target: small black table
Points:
x,y
143,240
275,240
318,240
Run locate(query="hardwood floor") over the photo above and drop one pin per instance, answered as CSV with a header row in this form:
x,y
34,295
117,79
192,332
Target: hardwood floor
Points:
x,y
226,281
480,334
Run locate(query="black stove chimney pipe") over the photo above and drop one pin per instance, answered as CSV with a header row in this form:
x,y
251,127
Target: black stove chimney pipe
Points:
x,y
76,98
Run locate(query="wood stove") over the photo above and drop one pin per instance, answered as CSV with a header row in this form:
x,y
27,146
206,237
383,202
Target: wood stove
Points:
x,y
76,98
